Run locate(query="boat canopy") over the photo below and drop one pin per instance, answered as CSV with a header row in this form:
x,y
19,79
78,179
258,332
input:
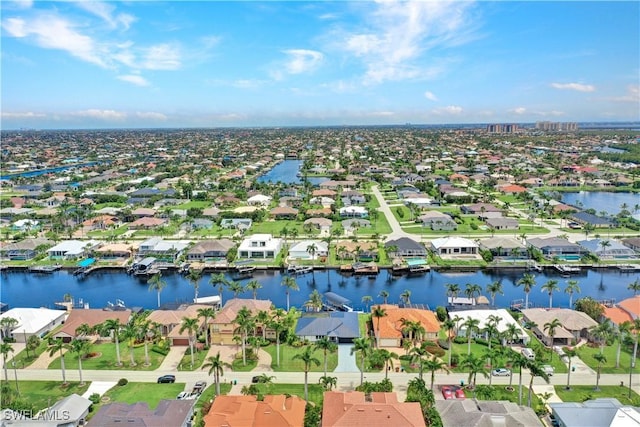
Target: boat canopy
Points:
x,y
146,262
335,299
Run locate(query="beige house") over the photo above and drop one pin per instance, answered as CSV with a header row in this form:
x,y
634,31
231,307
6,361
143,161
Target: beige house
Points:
x,y
171,321
222,327
575,324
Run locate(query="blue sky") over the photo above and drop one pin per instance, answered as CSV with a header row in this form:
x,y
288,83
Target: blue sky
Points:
x,y
91,64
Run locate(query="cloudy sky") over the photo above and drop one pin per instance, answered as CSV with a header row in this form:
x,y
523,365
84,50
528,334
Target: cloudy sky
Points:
x,y
91,64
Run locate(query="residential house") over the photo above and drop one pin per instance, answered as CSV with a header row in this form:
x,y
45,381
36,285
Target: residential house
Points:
x,y
353,212
351,225
260,246
147,223
608,249
632,242
73,249
91,317
389,328
511,189
210,250
112,251
157,247
238,223
174,413
283,212
585,218
502,223
406,247
351,197
171,321
259,200
323,224
223,325
323,212
454,247
211,212
484,316
334,185
502,246
101,222
629,308
202,224
601,412
485,413
341,409
70,411
479,208
339,326
272,411
25,225
557,247
418,201
143,212
23,250
575,324
324,192
359,251
300,250
33,321
437,221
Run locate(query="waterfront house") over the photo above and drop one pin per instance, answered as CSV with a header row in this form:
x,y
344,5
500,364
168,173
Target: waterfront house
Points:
x,y
406,247
359,251
32,321
174,413
585,218
334,185
261,246
210,250
23,250
389,329
91,317
339,326
601,412
485,413
502,246
455,247
170,322
300,250
632,242
483,317
73,249
557,247
377,409
222,327
113,251
630,306
273,411
575,325
167,250
608,249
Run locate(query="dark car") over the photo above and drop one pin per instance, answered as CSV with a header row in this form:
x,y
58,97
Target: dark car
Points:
x,y
167,379
199,387
255,380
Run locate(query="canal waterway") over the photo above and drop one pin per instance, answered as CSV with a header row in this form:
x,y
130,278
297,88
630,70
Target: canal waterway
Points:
x,y
609,202
24,289
39,172
287,173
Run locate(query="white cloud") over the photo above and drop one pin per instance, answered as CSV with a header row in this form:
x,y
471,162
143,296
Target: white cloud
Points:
x,y
430,96
22,115
105,11
164,56
151,116
134,79
247,83
101,114
573,86
632,95
518,110
302,60
448,110
19,4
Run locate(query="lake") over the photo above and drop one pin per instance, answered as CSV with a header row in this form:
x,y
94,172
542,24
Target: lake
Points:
x,y
603,201
23,289
287,173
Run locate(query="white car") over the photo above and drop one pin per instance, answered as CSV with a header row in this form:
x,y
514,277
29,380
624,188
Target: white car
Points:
x,y
548,369
501,372
187,395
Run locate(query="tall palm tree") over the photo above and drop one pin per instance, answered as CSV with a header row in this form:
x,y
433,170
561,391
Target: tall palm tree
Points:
x,y
216,367
277,323
326,345
81,347
528,281
405,296
570,353
518,361
366,300
419,355
494,288
378,313
471,290
145,330
449,326
602,332
219,281
491,329
253,286
194,277
535,370
472,326
600,358
622,331
5,349
157,284
113,326
245,324
434,364
314,303
384,295
262,319
550,287
453,289
362,345
290,284
474,365
491,354
387,356
190,324
130,334
571,288
634,286
236,288
307,359
550,328
206,313
56,345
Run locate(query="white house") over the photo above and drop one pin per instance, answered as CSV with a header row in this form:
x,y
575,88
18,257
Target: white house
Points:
x,y
483,317
455,247
259,200
72,249
33,321
158,247
354,212
260,246
301,250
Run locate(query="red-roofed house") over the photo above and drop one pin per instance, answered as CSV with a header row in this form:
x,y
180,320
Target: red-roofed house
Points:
x,y
274,411
351,409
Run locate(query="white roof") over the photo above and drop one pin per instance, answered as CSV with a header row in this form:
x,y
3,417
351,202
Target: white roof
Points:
x,y
214,299
73,246
302,246
259,198
453,242
483,317
31,320
353,209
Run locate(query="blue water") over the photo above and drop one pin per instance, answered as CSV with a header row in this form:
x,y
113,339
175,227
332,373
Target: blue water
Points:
x,y
603,201
39,172
22,289
286,172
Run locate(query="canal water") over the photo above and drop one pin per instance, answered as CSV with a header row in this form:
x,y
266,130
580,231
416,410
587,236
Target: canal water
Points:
x,y
24,289
287,173
604,201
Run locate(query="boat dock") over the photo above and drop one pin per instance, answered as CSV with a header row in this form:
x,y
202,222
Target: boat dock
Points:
x,y
566,269
336,302
365,269
45,269
299,269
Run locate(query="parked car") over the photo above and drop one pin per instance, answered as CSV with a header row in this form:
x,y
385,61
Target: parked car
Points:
x,y
528,353
255,380
501,372
460,394
447,392
167,379
199,387
548,369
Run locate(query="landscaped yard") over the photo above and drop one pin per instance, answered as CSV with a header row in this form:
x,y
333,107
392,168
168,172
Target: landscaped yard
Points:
x,y
105,359
586,354
580,393
198,360
315,390
152,393
45,393
288,364
22,360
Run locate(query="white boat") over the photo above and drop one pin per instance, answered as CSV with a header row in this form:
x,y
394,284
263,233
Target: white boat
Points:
x,y
299,269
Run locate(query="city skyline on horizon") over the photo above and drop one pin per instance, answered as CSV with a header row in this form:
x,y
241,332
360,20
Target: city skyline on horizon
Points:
x,y
123,65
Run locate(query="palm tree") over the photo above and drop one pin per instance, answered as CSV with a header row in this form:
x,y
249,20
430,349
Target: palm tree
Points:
x,y
194,277
494,288
572,288
434,364
472,326
236,288
326,345
262,319
130,335
449,326
314,303
81,347
527,282
218,280
550,328
634,286
387,356
384,295
277,324
475,365
146,330
328,382
312,249
511,333
491,329
453,289
604,244
216,367
550,287
492,354
207,313
246,324
362,345
157,284
307,359
405,297
290,284
602,332
5,349
471,289
600,358
57,345
114,326
253,286
622,331
378,313
366,300
535,370
190,324
419,355
518,361
570,353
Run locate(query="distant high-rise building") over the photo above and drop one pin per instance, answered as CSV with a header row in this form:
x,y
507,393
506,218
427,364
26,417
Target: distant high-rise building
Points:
x,y
557,126
502,128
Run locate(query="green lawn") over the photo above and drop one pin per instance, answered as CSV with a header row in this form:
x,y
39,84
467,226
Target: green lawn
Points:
x,y
152,393
287,364
363,320
202,204
580,393
22,360
315,390
499,392
239,367
198,360
45,393
586,354
109,233
105,359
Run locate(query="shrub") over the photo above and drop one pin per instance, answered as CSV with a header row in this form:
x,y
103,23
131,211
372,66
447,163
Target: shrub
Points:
x,y
123,381
441,313
460,340
444,344
95,398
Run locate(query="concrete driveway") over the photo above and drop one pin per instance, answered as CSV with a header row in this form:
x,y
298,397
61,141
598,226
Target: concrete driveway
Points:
x,y
346,360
